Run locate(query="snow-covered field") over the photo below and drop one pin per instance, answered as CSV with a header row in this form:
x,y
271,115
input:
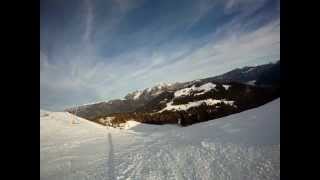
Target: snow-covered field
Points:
x,y
241,146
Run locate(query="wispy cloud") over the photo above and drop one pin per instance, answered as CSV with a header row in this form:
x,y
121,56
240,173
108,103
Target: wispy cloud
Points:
x,y
175,45
89,20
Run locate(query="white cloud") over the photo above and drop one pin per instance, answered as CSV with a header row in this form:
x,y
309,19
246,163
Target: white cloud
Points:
x,y
232,51
89,20
79,75
246,6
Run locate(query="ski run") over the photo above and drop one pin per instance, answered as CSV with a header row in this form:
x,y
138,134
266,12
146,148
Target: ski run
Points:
x,y
241,146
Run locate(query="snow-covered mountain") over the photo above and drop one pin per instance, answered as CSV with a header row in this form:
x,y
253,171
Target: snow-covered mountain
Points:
x,y
200,100
263,75
197,103
150,93
245,145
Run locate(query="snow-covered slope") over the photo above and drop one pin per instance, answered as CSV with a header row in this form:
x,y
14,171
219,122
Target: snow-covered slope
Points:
x,y
203,89
189,105
240,146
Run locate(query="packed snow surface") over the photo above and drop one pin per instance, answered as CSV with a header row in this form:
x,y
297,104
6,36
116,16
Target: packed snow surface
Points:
x,y
240,146
129,124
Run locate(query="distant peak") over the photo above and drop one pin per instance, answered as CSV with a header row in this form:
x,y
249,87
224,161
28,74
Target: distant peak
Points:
x,y
163,84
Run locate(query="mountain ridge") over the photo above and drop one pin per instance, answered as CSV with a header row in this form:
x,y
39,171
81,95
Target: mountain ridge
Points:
x,y
149,100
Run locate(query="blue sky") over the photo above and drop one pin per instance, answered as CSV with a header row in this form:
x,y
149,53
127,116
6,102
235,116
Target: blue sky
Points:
x,y
97,50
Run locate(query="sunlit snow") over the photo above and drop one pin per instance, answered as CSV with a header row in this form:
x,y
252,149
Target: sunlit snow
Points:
x,y
240,146
187,91
184,107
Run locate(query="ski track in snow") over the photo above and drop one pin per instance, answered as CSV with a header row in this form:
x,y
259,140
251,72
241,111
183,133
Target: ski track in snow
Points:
x,y
240,146
111,170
